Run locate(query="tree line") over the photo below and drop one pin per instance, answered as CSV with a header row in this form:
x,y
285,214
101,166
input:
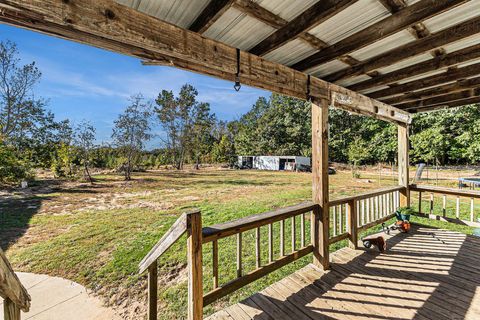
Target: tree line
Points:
x,y
31,138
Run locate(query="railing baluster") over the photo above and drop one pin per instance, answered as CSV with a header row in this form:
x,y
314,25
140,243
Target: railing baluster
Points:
x,y
363,213
282,238
215,263
294,231
239,255
368,210
340,220
420,202
458,208
444,205
258,261
472,209
302,230
334,220
270,242
431,203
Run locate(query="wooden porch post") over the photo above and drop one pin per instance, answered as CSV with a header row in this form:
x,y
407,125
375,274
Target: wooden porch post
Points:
x,y
195,266
320,217
403,164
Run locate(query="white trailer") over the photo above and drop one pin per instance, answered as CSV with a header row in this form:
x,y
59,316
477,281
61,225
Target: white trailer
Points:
x,y
289,163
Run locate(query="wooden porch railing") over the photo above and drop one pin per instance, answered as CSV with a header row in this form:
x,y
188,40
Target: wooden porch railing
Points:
x,y
368,210
15,296
262,268
351,215
460,195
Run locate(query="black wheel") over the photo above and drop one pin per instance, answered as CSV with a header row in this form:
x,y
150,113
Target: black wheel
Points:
x,y
367,244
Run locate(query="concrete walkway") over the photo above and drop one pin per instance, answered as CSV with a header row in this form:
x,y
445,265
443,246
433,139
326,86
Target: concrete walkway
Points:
x,y
59,299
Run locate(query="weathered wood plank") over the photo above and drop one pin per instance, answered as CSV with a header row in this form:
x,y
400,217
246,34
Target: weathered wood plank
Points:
x,y
167,240
316,14
433,41
366,195
237,283
11,288
441,90
447,191
442,99
195,266
404,164
251,222
109,25
448,60
152,291
321,217
210,14
403,19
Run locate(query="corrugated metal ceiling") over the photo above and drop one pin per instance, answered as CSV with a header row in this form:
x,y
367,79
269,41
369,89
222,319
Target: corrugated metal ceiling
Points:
x,y
240,30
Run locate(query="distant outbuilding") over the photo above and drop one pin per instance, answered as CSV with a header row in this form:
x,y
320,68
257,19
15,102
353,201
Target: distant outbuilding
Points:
x,y
288,163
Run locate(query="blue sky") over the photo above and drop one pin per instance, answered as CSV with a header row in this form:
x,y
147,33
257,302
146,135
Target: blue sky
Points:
x,y
83,82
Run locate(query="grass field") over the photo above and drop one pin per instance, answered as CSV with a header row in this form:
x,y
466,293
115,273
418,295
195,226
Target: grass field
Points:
x,y
96,235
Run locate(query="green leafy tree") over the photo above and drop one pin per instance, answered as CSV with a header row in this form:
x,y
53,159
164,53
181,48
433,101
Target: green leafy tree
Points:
x,y
358,153
85,142
187,123
131,131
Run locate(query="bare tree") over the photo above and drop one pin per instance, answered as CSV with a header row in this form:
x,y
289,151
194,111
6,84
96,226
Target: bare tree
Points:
x,y
85,142
19,110
131,131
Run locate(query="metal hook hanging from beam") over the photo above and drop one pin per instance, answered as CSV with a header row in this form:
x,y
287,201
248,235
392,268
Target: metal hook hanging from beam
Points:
x,y
237,85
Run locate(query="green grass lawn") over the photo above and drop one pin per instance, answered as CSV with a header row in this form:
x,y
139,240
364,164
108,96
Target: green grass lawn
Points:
x,y
96,235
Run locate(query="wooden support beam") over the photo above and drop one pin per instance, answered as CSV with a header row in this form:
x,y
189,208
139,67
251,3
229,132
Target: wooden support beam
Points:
x,y
320,217
109,25
433,41
431,81
210,14
448,60
316,14
459,85
403,19
195,266
458,103
152,291
404,164
352,224
461,95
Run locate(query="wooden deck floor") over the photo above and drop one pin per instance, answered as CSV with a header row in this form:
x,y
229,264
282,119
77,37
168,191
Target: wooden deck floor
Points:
x,y
426,274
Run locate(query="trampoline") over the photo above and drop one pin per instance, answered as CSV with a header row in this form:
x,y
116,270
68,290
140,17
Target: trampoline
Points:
x,y
472,183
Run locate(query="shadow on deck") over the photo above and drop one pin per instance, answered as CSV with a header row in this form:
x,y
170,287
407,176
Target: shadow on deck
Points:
x,y
426,274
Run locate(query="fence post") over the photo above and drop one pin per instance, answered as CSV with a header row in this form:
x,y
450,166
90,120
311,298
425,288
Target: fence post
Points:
x,y
152,291
11,310
195,266
353,224
321,215
403,164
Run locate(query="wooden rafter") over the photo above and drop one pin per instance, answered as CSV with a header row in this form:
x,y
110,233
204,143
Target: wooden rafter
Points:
x,y
435,91
430,81
316,14
458,103
260,13
460,95
448,60
435,40
397,22
210,14
453,104
109,25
